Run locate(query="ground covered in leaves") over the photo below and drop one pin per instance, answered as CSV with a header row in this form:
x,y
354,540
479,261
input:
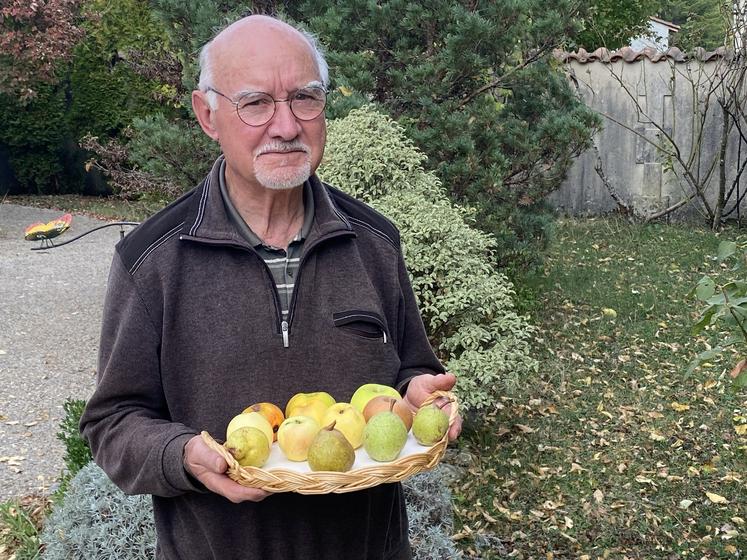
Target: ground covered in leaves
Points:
x,y
613,451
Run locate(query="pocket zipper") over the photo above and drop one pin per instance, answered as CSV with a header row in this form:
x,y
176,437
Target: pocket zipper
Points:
x,y
342,319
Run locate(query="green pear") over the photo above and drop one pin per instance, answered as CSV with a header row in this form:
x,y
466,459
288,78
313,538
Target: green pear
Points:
x,y
385,435
331,451
429,425
249,446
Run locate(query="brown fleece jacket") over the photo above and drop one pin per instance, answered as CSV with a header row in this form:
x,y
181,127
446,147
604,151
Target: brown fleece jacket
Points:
x,y
192,335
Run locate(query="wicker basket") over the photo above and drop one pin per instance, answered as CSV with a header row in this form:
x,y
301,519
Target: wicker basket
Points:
x,y
325,482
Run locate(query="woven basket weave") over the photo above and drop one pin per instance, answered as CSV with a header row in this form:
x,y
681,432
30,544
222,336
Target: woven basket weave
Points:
x,y
325,482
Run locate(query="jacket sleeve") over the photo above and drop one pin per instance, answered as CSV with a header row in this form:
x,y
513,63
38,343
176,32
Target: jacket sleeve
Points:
x,y
415,351
126,421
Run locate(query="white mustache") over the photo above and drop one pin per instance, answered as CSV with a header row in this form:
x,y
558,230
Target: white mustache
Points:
x,y
284,147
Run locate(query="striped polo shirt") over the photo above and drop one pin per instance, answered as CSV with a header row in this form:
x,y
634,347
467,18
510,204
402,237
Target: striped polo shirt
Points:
x,y
283,264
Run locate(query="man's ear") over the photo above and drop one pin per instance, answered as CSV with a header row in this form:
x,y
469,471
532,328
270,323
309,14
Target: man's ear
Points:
x,y
204,113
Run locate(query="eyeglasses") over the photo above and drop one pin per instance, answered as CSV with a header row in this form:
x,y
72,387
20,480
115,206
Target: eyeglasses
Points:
x,y
258,108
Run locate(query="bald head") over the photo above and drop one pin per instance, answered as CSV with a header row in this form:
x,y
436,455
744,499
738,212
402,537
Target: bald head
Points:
x,y
258,30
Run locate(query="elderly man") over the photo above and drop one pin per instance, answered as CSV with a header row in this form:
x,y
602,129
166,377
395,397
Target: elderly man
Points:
x,y
260,283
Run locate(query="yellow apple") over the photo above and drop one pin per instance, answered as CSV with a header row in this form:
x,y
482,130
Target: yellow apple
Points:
x,y
348,420
295,436
250,420
309,404
366,392
383,403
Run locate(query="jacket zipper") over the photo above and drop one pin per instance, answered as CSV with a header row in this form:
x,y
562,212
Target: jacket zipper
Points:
x,y
284,325
306,253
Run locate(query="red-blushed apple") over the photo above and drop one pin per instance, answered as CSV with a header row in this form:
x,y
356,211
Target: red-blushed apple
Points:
x,y
309,404
383,403
366,392
270,411
295,436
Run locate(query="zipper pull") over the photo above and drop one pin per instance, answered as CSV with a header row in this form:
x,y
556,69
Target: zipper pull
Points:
x,y
384,333
284,328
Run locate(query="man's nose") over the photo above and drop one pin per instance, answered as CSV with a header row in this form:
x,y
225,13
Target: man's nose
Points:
x,y
284,123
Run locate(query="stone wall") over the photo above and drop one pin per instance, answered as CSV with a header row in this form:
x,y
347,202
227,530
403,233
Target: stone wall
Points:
x,y
643,97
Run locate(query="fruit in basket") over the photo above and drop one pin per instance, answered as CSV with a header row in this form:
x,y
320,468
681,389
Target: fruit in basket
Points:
x,y
295,436
249,446
430,424
250,420
331,451
271,412
348,420
309,404
383,403
385,435
366,392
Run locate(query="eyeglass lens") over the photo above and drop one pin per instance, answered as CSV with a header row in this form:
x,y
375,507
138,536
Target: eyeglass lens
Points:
x,y
258,108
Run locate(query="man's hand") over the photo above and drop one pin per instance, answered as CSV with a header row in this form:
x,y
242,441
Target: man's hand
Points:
x,y
209,468
422,386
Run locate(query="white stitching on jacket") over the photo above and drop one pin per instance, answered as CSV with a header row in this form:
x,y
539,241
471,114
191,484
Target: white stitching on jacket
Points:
x,y
201,210
373,230
153,246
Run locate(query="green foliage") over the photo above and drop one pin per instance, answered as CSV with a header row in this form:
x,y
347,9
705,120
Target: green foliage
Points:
x,y
106,94
190,25
613,24
98,92
77,452
473,85
704,23
177,150
34,133
97,520
19,532
465,303
725,303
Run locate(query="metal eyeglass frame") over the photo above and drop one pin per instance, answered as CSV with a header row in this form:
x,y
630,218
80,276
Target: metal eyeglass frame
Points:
x,y
288,100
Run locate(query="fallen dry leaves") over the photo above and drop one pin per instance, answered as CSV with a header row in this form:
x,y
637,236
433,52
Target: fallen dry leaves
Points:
x,y
612,452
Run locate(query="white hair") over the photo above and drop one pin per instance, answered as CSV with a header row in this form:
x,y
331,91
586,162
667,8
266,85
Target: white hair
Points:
x,y
206,65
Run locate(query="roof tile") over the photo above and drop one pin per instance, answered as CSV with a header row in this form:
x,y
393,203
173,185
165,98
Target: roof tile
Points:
x,y
628,54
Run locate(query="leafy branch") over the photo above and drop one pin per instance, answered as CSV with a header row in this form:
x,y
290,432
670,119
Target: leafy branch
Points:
x,y
727,304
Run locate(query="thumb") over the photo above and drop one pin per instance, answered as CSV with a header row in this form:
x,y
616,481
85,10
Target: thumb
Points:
x,y
219,465
444,381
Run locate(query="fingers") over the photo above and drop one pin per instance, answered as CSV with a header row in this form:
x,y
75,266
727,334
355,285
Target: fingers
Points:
x,y
221,484
209,467
455,429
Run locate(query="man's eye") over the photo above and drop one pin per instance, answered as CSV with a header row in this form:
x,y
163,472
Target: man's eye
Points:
x,y
308,95
253,102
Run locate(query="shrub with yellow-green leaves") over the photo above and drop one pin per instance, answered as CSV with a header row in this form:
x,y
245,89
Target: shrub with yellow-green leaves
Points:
x,y
466,303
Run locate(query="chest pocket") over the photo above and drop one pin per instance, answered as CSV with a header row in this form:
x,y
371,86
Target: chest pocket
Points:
x,y
365,324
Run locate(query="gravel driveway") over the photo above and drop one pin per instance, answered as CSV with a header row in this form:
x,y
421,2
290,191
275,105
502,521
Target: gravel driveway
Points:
x,y
50,313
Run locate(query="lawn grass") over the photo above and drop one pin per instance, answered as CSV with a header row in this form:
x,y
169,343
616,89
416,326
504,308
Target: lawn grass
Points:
x,y
599,455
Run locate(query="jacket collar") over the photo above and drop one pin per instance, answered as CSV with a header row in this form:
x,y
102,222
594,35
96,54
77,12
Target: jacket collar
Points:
x,y
207,218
